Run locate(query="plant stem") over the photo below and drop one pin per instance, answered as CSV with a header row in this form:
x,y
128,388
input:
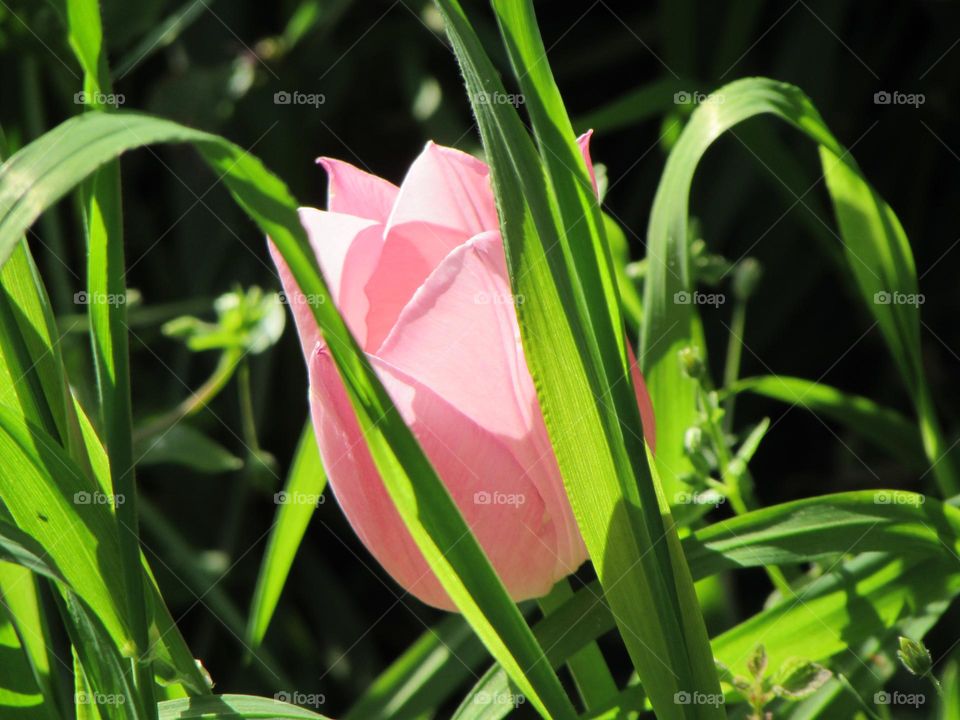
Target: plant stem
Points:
x,y
739,493
731,370
197,401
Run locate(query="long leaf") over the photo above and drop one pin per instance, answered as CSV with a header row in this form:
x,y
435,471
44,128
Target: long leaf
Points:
x,y
875,247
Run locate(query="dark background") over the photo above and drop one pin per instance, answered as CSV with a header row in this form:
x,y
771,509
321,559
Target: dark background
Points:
x,y
390,83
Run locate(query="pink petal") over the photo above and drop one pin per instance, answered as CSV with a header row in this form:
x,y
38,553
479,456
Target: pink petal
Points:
x,y
584,143
459,336
444,200
352,191
347,249
446,188
474,465
643,400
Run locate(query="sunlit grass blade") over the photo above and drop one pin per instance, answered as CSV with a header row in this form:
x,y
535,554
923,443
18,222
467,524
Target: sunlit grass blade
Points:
x,y
63,157
233,707
24,628
841,610
875,246
887,429
909,531
30,354
303,490
574,342
107,310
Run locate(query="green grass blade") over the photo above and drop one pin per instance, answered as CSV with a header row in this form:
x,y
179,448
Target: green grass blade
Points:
x,y
44,171
588,667
887,429
906,529
106,273
875,246
303,491
233,707
30,348
574,341
26,680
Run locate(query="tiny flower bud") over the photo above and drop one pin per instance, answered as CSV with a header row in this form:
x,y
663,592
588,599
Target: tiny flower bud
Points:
x,y
692,362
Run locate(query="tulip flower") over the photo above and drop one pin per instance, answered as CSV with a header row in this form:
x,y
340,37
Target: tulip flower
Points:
x,y
419,275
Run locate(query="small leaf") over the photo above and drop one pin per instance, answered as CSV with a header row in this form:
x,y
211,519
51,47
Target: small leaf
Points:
x,y
183,445
799,678
757,664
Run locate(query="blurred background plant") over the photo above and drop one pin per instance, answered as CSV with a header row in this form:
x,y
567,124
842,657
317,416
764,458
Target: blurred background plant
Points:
x,y
219,392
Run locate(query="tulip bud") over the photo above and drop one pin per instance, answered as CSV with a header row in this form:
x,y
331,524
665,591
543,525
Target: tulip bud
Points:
x,y
420,277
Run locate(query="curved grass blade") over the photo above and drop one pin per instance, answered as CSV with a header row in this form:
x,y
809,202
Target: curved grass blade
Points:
x,y
41,173
875,247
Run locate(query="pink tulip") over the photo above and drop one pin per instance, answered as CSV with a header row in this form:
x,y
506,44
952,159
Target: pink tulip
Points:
x,y
419,274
